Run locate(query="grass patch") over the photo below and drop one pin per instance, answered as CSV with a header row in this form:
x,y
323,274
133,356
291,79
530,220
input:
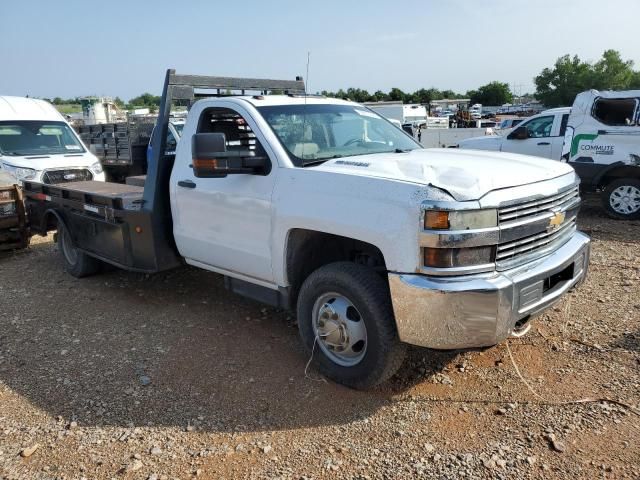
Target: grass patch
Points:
x,y
68,108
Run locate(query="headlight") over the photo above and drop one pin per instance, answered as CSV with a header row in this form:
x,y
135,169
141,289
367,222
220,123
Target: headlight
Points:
x,y
21,173
458,257
25,173
460,219
96,168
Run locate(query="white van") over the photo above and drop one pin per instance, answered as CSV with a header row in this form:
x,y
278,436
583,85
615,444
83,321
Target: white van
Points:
x,y
36,143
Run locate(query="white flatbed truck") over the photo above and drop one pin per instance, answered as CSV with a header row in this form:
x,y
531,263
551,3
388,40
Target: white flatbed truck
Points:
x,y
323,207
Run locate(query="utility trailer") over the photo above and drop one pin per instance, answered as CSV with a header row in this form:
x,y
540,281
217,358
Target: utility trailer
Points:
x,y
127,225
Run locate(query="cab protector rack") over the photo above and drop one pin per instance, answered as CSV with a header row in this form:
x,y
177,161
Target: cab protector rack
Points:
x,y
126,225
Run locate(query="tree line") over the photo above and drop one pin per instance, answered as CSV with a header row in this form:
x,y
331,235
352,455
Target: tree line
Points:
x,y
494,93
147,100
555,86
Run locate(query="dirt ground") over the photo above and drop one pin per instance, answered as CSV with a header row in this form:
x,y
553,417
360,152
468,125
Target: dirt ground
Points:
x,y
169,376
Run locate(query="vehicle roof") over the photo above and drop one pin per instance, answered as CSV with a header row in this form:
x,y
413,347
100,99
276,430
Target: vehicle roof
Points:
x,y
557,110
272,100
23,108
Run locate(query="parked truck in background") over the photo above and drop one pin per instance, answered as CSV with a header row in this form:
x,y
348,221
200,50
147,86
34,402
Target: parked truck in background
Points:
x,y
322,206
599,136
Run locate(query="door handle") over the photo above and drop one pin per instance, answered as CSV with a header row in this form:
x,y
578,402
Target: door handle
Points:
x,y
544,143
186,184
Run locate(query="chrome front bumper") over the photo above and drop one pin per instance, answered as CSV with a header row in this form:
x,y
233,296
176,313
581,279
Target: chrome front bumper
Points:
x,y
482,310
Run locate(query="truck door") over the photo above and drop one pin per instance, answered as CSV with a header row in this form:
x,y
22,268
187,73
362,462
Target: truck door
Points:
x,y
539,137
223,223
557,139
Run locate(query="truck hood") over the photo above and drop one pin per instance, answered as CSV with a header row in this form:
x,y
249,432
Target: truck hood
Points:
x,y
48,162
488,142
465,174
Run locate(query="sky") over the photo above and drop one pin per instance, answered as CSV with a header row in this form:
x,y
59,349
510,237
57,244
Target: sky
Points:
x,y
70,48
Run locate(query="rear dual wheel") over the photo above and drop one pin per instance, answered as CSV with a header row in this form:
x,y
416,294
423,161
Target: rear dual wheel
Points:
x,y
75,262
347,325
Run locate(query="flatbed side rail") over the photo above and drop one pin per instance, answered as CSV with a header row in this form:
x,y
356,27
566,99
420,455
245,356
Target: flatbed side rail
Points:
x,y
99,226
101,207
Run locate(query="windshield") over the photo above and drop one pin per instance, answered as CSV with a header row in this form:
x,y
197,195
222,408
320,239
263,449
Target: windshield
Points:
x,y
179,127
318,132
19,138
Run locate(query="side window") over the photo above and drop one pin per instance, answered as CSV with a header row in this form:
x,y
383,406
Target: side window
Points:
x,y
563,124
539,127
615,112
171,141
238,134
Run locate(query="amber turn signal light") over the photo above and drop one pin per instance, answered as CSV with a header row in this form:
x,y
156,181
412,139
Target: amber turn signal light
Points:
x,y
436,220
205,163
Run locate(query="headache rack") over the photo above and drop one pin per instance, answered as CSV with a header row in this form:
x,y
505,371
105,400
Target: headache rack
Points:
x,y
129,226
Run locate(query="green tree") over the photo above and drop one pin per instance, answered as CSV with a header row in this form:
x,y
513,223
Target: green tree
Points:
x,y
559,85
397,95
358,95
379,96
447,94
145,100
612,73
494,93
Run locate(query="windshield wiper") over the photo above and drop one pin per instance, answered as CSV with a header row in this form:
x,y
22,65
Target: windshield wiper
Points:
x,y
400,150
320,160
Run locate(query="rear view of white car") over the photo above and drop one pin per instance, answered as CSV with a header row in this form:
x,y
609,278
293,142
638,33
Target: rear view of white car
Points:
x,y
36,143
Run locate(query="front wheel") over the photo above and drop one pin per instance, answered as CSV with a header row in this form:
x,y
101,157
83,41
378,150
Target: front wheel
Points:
x,y
621,199
347,325
75,262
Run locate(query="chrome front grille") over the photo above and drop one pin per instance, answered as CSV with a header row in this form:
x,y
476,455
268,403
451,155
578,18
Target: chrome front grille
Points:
x,y
533,208
534,228
539,244
67,175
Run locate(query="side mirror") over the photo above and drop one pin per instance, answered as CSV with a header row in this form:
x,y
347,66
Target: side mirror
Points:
x,y
519,133
210,158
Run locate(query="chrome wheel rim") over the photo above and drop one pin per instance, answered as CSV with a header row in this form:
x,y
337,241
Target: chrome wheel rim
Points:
x,y
625,199
339,329
69,252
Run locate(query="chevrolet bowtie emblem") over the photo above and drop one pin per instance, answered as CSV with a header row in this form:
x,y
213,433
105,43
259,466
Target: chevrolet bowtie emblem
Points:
x,y
556,221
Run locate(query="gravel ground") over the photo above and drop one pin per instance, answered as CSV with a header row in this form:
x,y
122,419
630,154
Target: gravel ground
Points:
x,y
129,376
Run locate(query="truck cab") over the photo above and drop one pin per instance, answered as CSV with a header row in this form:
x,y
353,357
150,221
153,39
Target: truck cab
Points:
x,y
323,207
37,144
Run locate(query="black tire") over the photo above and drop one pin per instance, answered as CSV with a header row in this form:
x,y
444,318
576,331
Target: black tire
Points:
x,y
75,262
369,294
612,189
